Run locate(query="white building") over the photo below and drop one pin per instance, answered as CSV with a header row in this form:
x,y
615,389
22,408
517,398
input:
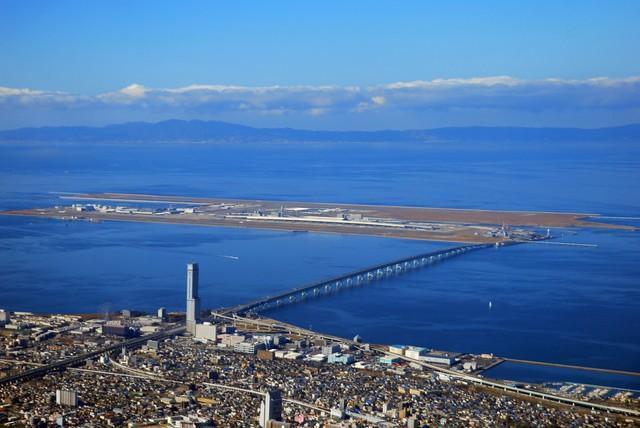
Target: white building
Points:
x,y
162,314
207,331
415,352
4,318
397,349
66,398
292,356
248,347
192,421
231,339
470,366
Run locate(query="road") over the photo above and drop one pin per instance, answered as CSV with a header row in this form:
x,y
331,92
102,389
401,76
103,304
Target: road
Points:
x,y
76,360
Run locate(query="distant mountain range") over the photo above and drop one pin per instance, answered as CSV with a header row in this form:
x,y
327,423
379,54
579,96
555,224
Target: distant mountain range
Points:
x,y
201,131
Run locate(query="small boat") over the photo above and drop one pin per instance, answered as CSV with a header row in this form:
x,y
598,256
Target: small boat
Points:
x,y
490,304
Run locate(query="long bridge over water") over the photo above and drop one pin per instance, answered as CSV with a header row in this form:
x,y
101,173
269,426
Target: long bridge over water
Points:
x,y
352,279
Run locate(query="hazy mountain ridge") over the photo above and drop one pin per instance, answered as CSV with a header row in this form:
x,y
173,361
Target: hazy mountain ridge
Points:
x,y
197,130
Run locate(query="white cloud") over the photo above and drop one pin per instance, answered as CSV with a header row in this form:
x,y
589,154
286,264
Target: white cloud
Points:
x,y
482,93
6,92
450,83
134,90
378,100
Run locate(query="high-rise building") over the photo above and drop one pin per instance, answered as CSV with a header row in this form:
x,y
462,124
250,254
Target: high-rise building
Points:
x,y
66,398
4,318
271,407
193,300
162,314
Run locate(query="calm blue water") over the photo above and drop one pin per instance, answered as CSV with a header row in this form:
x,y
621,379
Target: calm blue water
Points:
x,y
566,304
86,267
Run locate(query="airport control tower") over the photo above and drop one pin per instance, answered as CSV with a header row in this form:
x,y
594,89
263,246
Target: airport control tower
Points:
x,y
193,301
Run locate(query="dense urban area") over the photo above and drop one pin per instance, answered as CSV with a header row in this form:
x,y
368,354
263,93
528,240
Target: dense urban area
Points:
x,y
237,371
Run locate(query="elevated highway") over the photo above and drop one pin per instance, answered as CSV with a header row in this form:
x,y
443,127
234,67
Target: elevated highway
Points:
x,y
79,359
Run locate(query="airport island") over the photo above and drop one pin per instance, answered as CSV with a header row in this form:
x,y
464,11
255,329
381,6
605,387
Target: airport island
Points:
x,y
233,366
433,224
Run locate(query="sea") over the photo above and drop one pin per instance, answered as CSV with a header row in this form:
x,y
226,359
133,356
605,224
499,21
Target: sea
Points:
x,y
567,304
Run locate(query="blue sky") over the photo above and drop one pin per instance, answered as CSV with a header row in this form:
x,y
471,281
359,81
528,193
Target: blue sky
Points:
x,y
71,59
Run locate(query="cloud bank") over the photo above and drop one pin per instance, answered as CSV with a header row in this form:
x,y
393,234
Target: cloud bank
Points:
x,y
499,95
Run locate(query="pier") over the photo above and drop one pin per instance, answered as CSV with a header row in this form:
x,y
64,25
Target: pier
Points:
x,y
571,366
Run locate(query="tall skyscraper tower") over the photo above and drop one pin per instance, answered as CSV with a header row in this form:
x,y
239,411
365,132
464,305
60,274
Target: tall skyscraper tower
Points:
x,y
271,407
193,300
